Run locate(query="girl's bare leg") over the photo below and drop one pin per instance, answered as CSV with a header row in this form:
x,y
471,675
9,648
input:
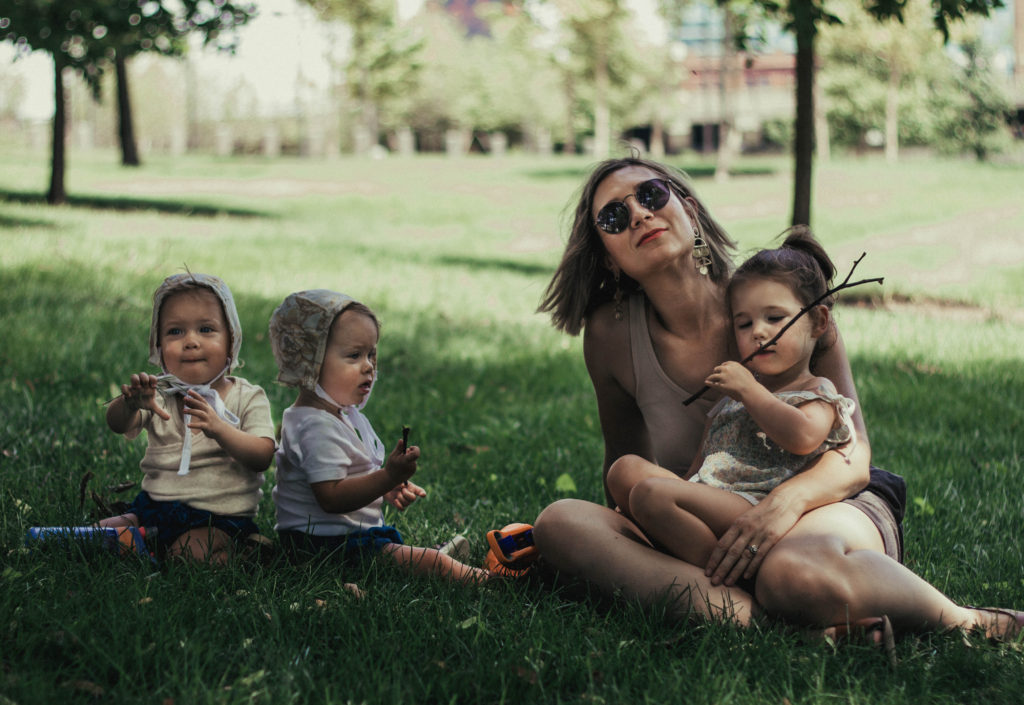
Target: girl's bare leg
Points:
x,y
596,544
430,561
629,471
831,569
685,517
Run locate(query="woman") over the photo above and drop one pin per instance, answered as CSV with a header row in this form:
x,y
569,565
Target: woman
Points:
x,y
644,275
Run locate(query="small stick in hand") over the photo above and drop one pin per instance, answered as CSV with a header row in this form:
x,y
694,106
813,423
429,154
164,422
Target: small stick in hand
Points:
x,y
405,445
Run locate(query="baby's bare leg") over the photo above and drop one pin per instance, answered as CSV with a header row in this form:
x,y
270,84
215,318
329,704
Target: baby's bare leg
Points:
x,y
120,520
205,544
430,561
686,518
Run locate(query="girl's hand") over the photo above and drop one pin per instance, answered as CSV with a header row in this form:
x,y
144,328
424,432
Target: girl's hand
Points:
x,y
204,417
404,495
759,527
733,379
140,394
401,464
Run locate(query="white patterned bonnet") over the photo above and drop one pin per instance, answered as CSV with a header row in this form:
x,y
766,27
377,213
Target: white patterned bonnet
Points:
x,y
299,329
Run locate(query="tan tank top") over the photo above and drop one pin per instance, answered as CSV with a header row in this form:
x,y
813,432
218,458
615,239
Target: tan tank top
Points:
x,y
675,430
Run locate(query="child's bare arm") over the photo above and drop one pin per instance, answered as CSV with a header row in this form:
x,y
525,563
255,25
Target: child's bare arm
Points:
x,y
798,429
351,493
138,394
254,452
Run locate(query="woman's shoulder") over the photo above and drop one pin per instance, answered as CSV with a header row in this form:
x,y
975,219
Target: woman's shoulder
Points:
x,y
606,326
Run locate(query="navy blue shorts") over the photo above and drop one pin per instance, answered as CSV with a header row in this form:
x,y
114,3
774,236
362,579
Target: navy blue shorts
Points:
x,y
348,548
172,519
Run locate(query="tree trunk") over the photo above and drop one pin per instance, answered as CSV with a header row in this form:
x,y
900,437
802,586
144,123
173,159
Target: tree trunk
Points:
x,y
570,121
729,139
602,111
125,127
57,195
892,115
803,143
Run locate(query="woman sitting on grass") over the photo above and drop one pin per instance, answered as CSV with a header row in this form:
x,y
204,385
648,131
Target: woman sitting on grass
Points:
x,y
644,276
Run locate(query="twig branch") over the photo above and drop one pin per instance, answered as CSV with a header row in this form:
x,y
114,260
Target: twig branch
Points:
x,y
764,346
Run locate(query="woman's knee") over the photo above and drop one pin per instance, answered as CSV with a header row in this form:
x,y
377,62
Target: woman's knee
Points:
x,y
802,584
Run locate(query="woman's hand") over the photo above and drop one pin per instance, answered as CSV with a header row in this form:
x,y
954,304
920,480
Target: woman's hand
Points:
x,y
744,545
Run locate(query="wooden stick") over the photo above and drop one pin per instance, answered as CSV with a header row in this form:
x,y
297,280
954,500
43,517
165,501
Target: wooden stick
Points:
x,y
764,346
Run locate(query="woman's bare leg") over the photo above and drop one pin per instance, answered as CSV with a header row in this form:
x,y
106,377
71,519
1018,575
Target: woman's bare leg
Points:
x,y
831,569
596,544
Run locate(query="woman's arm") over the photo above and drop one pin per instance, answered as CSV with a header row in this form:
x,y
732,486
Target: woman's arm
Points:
x,y
609,362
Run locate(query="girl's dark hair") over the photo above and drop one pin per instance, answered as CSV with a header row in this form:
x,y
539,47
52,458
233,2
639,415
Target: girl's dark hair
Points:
x,y
802,264
582,282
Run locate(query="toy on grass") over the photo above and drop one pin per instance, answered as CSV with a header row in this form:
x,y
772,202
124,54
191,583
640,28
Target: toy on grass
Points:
x,y
511,551
123,540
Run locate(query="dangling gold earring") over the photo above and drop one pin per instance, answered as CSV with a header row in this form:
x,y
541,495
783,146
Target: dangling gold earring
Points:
x,y
617,298
701,251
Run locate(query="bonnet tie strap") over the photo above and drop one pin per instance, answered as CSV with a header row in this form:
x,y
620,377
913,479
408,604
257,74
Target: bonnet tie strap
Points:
x,y
170,385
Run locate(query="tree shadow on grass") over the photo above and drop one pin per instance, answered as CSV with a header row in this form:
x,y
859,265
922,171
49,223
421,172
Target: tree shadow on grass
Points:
x,y
121,203
694,171
507,265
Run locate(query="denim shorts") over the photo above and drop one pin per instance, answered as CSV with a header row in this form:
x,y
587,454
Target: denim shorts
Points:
x,y
347,548
172,519
884,500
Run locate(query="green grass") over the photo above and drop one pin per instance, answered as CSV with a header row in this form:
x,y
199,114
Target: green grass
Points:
x,y
454,255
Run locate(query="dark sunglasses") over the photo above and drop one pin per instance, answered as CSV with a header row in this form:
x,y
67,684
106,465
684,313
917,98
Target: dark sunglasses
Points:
x,y
650,195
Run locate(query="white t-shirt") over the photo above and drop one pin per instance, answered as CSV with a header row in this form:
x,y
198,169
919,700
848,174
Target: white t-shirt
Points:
x,y
317,446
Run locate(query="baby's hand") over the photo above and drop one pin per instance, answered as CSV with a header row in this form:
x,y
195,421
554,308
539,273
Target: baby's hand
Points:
x,y
732,378
204,417
401,464
140,394
404,495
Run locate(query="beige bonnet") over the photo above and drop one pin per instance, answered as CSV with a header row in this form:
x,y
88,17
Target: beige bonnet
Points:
x,y
299,329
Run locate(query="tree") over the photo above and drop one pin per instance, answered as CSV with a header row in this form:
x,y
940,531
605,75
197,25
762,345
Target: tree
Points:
x,y
84,37
384,59
879,75
803,18
135,27
972,116
597,42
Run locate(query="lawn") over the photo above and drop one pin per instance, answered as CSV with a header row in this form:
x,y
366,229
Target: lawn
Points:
x,y
454,255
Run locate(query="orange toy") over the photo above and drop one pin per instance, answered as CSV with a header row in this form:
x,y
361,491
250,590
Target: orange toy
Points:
x,y
512,549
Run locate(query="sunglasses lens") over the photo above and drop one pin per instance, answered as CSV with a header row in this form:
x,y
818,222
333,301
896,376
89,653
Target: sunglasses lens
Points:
x,y
613,218
653,194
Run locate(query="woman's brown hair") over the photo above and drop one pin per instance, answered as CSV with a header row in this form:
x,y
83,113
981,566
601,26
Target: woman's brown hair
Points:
x,y
582,282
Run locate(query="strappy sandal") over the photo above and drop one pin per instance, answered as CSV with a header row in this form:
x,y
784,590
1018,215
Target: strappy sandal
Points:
x,y
1011,633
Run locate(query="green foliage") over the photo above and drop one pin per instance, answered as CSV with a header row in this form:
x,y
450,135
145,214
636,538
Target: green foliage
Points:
x,y
971,115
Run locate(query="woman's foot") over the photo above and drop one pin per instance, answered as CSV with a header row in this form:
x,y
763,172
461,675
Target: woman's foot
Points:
x,y
998,625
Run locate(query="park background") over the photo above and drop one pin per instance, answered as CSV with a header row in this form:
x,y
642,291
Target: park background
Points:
x,y
453,248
